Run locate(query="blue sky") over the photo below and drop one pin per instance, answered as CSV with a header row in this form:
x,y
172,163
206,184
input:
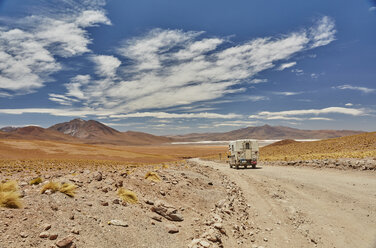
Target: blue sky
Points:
x,y
169,67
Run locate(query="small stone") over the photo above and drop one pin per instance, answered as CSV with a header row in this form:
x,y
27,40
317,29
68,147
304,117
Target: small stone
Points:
x,y
53,236
104,203
98,176
116,201
204,243
162,193
66,242
172,228
265,239
44,235
75,231
149,202
24,235
157,218
46,227
54,208
118,223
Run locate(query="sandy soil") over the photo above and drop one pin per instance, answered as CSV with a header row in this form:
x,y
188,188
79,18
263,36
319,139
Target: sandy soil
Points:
x,y
307,207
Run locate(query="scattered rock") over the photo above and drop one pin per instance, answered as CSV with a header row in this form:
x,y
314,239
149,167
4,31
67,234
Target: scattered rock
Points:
x,y
24,235
118,223
75,230
44,235
46,227
167,211
66,242
53,236
171,228
98,176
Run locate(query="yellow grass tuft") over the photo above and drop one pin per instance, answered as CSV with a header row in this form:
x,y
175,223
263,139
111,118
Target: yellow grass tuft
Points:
x,y
127,196
153,176
8,186
165,166
53,186
36,181
9,195
68,189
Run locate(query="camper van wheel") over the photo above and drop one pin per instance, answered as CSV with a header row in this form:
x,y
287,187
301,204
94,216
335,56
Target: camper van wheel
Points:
x,y
253,166
237,167
230,165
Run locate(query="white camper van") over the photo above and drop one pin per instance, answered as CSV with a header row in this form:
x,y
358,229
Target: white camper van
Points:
x,y
243,153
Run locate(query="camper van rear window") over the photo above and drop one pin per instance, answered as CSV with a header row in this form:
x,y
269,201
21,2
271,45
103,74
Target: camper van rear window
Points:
x,y
246,145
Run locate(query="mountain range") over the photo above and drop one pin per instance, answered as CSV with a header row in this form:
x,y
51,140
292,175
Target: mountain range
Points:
x,y
266,132
94,132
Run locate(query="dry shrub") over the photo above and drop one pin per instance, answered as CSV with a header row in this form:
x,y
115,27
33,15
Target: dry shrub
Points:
x,y
153,176
8,186
68,189
36,181
165,166
53,186
9,195
127,196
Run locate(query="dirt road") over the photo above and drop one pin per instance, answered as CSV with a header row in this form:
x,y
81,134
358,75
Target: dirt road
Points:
x,y
306,207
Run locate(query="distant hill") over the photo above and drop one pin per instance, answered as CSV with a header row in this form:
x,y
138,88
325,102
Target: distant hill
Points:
x,y
266,132
94,132
360,145
35,133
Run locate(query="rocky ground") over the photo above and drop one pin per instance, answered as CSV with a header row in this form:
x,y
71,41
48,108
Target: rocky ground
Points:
x,y
191,206
341,163
196,204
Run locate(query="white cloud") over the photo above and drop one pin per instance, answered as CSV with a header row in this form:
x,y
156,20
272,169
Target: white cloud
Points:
x,y
314,75
287,93
349,104
236,123
350,87
258,80
257,98
29,46
169,68
106,66
298,72
296,114
286,65
323,33
320,119
164,115
373,8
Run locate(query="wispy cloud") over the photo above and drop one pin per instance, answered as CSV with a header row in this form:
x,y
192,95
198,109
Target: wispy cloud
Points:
x,y
357,88
373,8
29,47
169,68
302,114
164,115
287,93
286,65
258,80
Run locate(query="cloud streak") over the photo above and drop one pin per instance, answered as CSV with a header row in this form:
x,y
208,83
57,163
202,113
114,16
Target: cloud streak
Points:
x,y
30,47
356,88
170,68
300,115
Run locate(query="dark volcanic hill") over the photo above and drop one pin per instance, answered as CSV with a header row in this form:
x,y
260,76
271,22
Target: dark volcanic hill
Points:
x,y
266,132
94,132
85,129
